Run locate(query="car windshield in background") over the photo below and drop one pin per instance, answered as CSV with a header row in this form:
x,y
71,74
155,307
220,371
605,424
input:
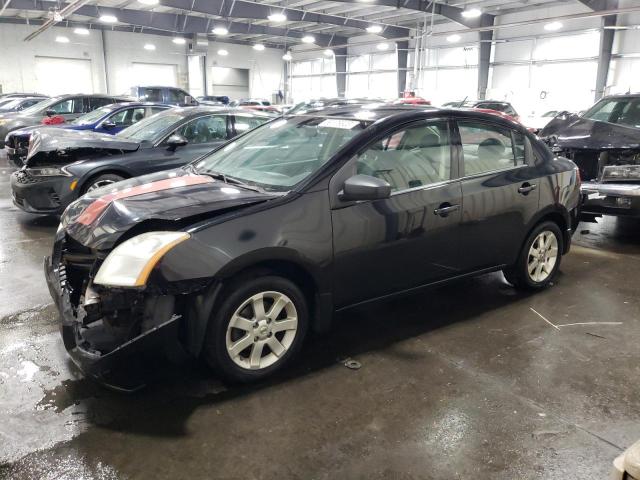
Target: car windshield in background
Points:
x,y
551,113
41,106
92,117
281,154
150,129
11,104
624,111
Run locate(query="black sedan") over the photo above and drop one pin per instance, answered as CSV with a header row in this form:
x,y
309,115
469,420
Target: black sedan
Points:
x,y
62,164
241,253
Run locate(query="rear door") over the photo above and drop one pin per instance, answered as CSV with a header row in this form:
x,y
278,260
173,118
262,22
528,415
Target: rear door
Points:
x,y
410,239
500,189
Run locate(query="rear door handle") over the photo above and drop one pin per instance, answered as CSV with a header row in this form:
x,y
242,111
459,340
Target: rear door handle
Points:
x,y
445,209
527,187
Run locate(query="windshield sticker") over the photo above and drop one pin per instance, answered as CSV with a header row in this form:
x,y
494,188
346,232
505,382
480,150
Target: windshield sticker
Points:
x,y
337,123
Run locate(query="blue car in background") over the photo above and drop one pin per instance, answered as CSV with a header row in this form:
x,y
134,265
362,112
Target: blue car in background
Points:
x,y
108,119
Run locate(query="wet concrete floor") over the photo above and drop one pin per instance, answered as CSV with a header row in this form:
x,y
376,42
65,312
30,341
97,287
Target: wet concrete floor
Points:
x,y
471,380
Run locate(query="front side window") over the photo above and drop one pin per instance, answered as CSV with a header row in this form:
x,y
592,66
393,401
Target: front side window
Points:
x,y
151,95
204,129
127,117
416,156
488,147
177,96
65,107
279,155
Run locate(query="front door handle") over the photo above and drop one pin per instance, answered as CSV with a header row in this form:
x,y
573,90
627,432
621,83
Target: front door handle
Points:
x,y
527,187
445,209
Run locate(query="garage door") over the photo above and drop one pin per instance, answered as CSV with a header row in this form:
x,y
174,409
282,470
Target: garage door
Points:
x,y
233,82
56,75
153,74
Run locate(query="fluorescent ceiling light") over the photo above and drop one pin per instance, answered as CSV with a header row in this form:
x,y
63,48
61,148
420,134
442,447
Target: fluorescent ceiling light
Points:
x,y
61,39
179,41
222,52
277,17
149,2
220,31
258,46
471,13
374,29
382,46
308,39
553,26
453,38
81,31
149,46
328,52
108,18
287,57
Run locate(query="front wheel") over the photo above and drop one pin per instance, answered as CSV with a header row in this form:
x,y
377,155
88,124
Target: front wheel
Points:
x,y
101,181
258,329
539,259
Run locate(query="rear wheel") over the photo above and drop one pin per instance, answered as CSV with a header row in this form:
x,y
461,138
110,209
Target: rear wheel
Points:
x,y
539,259
258,328
101,181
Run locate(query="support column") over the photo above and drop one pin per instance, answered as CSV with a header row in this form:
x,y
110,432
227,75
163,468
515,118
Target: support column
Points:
x,y
484,61
604,55
340,54
403,53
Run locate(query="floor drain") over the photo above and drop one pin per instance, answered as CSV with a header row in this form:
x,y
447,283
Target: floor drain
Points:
x,y
352,364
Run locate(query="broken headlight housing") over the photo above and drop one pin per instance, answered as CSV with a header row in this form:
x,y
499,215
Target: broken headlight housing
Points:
x,y
131,262
621,173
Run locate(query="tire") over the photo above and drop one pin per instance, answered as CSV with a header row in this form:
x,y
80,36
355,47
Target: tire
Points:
x,y
531,273
101,181
232,351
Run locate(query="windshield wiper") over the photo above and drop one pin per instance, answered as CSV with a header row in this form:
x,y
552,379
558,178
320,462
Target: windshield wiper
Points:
x,y
230,180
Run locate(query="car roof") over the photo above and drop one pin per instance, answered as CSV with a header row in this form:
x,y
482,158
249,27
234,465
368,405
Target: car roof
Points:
x,y
196,111
379,112
119,105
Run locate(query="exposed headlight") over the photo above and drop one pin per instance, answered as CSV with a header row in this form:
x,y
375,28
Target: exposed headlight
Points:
x,y
621,172
49,172
131,262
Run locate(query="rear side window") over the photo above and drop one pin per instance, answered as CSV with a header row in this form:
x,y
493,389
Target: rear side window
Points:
x,y
415,156
488,147
151,95
128,117
245,123
176,96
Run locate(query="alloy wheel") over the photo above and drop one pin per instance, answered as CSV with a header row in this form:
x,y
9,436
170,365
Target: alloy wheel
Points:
x,y
261,330
543,256
100,184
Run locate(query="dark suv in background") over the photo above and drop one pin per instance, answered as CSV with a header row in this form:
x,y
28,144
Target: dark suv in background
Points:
x,y
166,95
68,107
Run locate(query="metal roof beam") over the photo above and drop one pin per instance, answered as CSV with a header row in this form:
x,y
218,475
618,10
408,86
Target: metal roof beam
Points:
x,y
426,6
261,11
178,23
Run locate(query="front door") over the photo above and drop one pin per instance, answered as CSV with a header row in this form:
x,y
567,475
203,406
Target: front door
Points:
x,y
409,239
500,189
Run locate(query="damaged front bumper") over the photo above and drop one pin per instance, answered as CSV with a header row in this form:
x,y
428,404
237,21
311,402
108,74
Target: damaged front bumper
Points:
x,y
619,199
83,341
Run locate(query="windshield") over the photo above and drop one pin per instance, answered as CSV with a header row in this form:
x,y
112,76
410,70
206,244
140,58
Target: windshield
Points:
x,y
550,113
93,116
151,128
281,154
10,104
41,106
623,111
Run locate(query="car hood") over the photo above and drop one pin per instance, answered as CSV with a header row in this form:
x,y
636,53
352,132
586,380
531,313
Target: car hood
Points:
x,y
164,200
62,141
583,133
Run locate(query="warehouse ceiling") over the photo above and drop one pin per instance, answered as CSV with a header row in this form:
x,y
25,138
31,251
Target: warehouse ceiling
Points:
x,y
330,22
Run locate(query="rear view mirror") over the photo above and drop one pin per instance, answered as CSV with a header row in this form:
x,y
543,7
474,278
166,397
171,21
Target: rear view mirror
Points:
x,y
50,112
365,187
108,125
175,141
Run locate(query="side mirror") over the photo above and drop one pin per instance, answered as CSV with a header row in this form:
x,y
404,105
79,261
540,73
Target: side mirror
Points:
x,y
108,125
175,141
364,187
50,112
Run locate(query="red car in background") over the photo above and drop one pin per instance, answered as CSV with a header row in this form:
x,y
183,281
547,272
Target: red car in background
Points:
x,y
412,101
